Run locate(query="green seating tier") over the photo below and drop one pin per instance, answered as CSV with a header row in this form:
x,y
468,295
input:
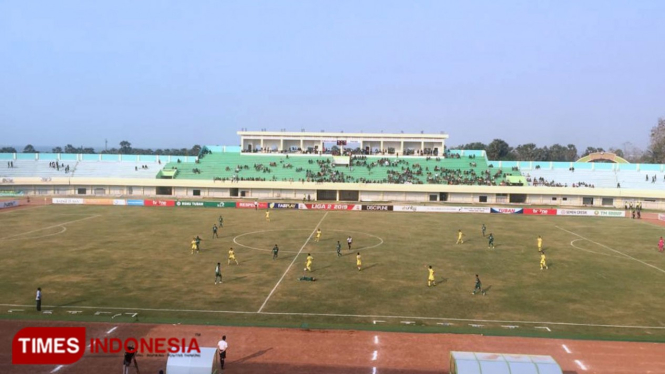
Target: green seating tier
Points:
x,y
215,166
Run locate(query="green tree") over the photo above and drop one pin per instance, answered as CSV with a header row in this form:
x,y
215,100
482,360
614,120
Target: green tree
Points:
x,y
590,150
498,150
557,152
125,147
56,150
526,152
473,146
571,153
196,149
8,150
656,151
29,149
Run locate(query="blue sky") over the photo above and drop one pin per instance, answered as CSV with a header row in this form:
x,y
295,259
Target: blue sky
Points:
x,y
172,74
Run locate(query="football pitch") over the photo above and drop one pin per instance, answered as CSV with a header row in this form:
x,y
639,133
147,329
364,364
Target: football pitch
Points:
x,y
604,279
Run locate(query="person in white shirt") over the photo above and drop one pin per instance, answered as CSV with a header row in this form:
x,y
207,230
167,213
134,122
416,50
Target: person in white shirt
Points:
x,y
349,241
221,347
38,299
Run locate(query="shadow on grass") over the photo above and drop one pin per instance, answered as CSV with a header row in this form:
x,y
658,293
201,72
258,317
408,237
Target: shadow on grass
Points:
x,y
70,303
234,279
253,355
369,267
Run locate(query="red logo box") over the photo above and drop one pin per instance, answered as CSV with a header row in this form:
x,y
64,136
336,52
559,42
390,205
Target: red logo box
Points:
x,y
48,345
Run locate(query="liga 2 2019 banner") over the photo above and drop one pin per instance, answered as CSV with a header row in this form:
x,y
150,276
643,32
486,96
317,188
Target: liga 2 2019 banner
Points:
x,y
342,206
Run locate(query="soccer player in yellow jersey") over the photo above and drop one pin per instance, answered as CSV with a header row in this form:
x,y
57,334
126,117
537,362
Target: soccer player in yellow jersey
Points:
x,y
268,215
308,266
318,235
359,261
194,245
430,278
460,235
232,256
540,244
543,261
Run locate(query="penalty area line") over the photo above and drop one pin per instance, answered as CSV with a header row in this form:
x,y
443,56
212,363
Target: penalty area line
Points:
x,y
50,227
344,316
612,249
291,264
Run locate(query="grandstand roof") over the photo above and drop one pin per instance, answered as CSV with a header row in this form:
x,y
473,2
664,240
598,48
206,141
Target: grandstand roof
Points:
x,y
341,135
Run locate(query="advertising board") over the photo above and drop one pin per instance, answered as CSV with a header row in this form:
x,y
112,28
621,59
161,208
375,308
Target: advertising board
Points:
x,y
161,203
68,201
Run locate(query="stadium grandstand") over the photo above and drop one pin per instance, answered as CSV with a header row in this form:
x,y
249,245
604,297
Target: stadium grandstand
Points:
x,y
342,167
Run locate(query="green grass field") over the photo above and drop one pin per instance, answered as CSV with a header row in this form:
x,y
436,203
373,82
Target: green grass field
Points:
x,y
133,259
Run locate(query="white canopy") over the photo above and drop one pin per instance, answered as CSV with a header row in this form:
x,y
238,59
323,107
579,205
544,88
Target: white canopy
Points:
x,y
192,363
497,363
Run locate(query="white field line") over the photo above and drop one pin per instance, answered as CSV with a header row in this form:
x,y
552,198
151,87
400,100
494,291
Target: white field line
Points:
x,y
57,368
376,339
580,364
292,262
374,370
565,348
49,227
111,330
270,249
613,250
374,355
345,316
572,244
41,236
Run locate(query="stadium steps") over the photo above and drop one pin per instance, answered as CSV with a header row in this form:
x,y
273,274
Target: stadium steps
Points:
x,y
215,164
115,169
34,168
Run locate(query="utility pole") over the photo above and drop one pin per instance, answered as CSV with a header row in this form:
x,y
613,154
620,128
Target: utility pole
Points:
x,y
106,144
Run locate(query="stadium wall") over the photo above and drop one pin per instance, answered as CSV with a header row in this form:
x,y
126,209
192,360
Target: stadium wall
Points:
x,y
184,188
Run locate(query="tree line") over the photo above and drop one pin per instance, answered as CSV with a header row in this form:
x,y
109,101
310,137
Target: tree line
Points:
x,y
499,149
125,148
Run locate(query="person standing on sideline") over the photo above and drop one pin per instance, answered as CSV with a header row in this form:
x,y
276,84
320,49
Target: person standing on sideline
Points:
x,y
222,346
218,273
275,252
268,215
221,221
660,244
128,359
38,299
483,228
214,231
339,249
256,205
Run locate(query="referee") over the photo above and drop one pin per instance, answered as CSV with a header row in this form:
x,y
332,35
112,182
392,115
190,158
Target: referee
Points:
x,y
221,347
